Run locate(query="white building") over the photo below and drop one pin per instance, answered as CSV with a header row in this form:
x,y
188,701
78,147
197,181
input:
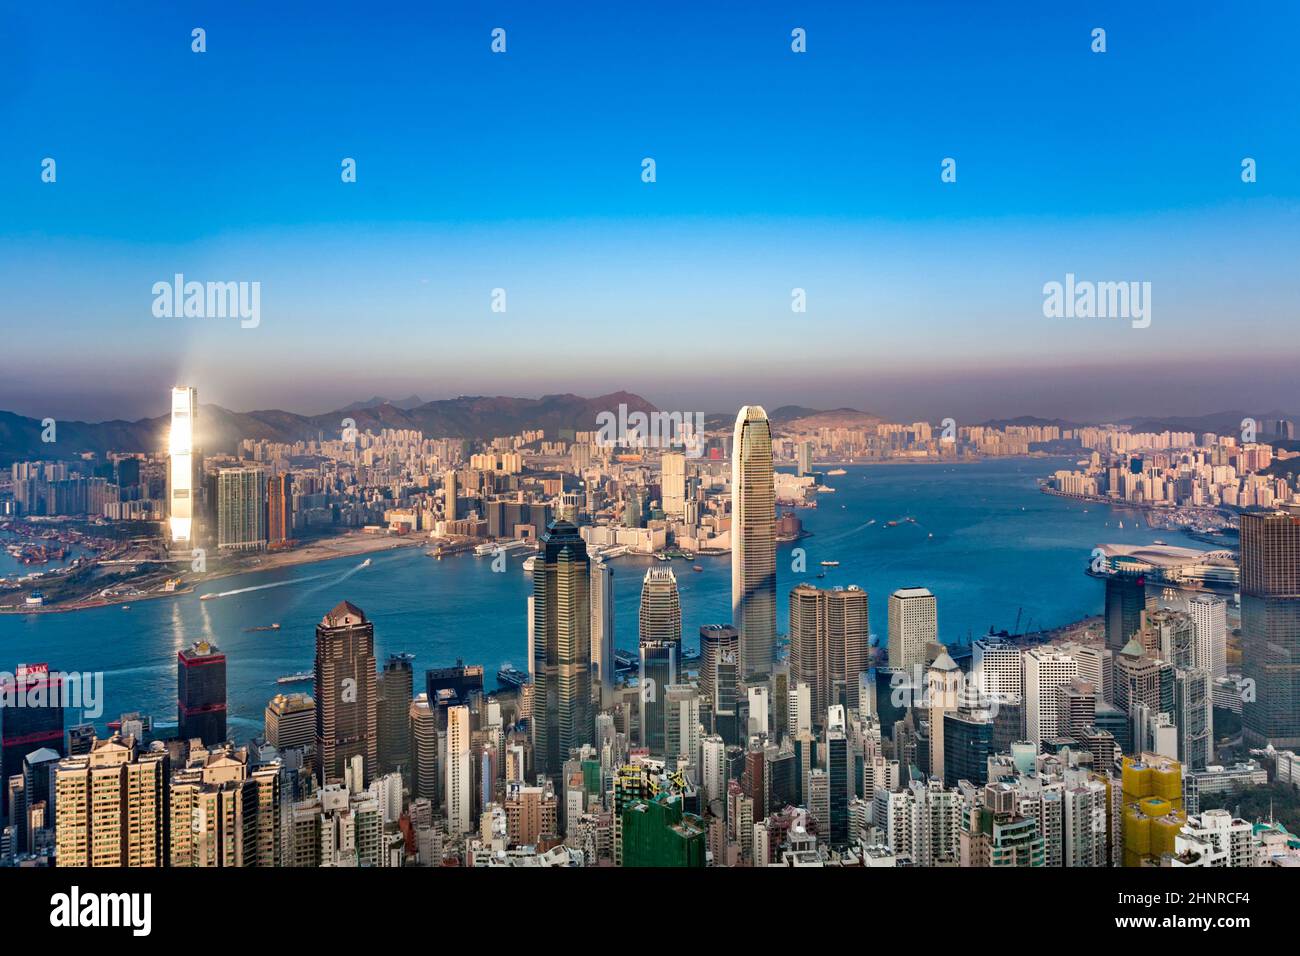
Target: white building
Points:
x,y
181,483
1046,669
996,667
1211,617
459,767
913,624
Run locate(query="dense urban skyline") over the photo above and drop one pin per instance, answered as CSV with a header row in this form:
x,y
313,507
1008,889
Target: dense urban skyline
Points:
x,y
695,437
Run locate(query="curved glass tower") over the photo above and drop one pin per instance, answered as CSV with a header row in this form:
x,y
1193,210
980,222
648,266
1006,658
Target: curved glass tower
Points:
x,y
753,541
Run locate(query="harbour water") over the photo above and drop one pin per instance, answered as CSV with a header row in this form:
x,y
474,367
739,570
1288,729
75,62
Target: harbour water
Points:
x,y
982,538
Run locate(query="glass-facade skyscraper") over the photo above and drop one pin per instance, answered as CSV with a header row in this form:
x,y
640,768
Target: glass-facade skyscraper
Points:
x,y
1270,628
562,716
753,541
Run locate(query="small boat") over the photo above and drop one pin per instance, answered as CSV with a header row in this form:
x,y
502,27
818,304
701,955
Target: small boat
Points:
x,y
297,678
209,597
365,563
264,627
821,574
126,607
830,564
697,568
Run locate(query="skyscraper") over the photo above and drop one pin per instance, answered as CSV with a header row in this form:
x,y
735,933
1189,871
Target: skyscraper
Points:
x,y
753,541
829,635
182,484
241,509
839,784
913,624
460,767
562,716
660,644
720,678
1270,628
424,749
395,686
279,509
1126,599
602,633
673,467
1211,616
682,726
201,693
1046,670
347,715
449,495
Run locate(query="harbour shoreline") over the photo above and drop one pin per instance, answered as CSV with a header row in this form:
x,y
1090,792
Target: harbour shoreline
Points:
x,y
347,545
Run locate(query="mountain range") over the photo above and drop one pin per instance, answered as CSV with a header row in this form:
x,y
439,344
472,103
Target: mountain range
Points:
x,y
220,430
473,417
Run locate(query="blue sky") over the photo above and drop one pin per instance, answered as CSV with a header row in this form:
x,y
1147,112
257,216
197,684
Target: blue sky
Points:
x,y
775,170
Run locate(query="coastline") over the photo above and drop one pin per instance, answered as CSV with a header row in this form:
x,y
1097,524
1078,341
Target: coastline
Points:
x,y
346,545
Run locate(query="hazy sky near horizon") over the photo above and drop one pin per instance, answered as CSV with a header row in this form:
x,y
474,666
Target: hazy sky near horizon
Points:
x,y
775,171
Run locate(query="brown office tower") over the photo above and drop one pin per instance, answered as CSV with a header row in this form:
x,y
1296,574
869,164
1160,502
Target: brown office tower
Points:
x,y
347,712
201,693
1270,628
279,510
829,651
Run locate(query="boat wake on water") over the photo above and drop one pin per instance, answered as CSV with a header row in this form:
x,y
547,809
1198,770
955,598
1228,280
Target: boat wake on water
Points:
x,y
338,579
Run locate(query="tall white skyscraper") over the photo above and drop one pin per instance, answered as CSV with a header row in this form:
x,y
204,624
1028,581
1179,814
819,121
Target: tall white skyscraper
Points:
x,y
1046,669
674,484
913,623
181,479
1210,614
753,541
459,767
602,633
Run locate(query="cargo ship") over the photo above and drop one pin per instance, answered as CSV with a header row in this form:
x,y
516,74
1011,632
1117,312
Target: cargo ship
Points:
x,y
297,678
